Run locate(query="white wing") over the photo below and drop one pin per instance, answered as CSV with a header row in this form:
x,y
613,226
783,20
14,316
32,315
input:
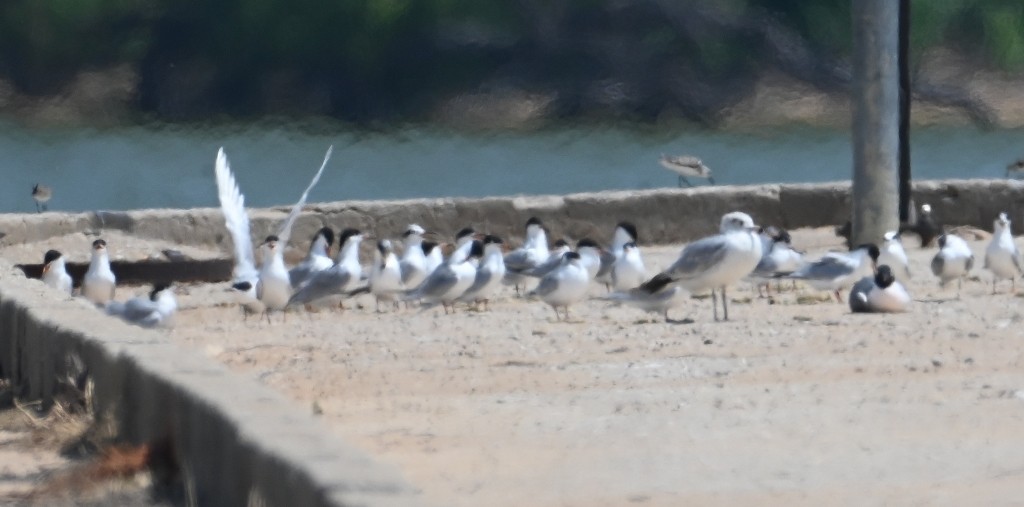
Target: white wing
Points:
x,y
286,229
232,203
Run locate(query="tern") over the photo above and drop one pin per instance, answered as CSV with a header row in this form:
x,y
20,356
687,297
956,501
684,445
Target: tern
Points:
x,y
714,262
659,301
880,293
836,270
778,258
318,258
450,280
628,272
553,261
338,280
433,257
99,282
271,284
1002,257
413,263
533,253
686,166
953,261
565,285
55,273
489,274
385,281
625,232
156,310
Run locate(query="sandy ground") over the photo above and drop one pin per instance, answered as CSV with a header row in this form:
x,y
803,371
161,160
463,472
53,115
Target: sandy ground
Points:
x,y
788,403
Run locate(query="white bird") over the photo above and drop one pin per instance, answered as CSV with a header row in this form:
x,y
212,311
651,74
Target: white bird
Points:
x,y
156,310
628,272
1002,257
564,286
590,256
413,263
385,281
99,282
271,284
55,273
533,253
778,258
433,257
953,261
317,259
553,261
625,232
686,165
489,274
836,270
450,280
893,255
660,301
714,262
880,293
338,280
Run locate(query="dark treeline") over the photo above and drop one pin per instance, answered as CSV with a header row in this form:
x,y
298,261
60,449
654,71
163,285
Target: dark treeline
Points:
x,y
367,60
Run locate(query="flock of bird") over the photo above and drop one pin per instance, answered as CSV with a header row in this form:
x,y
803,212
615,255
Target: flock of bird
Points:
x,y
478,264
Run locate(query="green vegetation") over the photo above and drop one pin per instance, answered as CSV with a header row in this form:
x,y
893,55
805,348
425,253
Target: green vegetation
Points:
x,y
372,59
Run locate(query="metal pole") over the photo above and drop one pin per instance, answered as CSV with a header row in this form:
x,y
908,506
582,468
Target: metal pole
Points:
x,y
904,63
875,119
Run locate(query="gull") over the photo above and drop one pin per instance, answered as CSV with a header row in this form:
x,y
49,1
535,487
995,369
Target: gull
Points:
x,y
714,262
836,270
340,278
318,258
532,254
1002,257
880,293
553,261
1015,169
385,281
778,258
156,310
893,255
413,263
489,274
565,285
99,281
450,280
625,232
628,272
41,194
953,261
686,165
271,284
55,274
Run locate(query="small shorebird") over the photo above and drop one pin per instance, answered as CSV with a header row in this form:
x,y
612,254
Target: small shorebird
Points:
x,y
686,165
1015,169
41,194
953,261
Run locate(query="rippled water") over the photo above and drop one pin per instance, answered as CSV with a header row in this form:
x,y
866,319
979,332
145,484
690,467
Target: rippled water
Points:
x,y
172,166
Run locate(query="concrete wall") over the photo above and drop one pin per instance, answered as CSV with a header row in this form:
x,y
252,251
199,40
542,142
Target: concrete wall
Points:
x,y
232,437
662,216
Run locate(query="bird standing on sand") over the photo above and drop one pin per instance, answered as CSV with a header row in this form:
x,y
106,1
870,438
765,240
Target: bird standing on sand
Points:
x,y
714,262
953,261
385,281
55,274
835,270
99,282
564,286
1002,257
533,253
686,166
318,258
340,278
893,255
41,194
489,274
628,272
880,293
451,279
413,263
